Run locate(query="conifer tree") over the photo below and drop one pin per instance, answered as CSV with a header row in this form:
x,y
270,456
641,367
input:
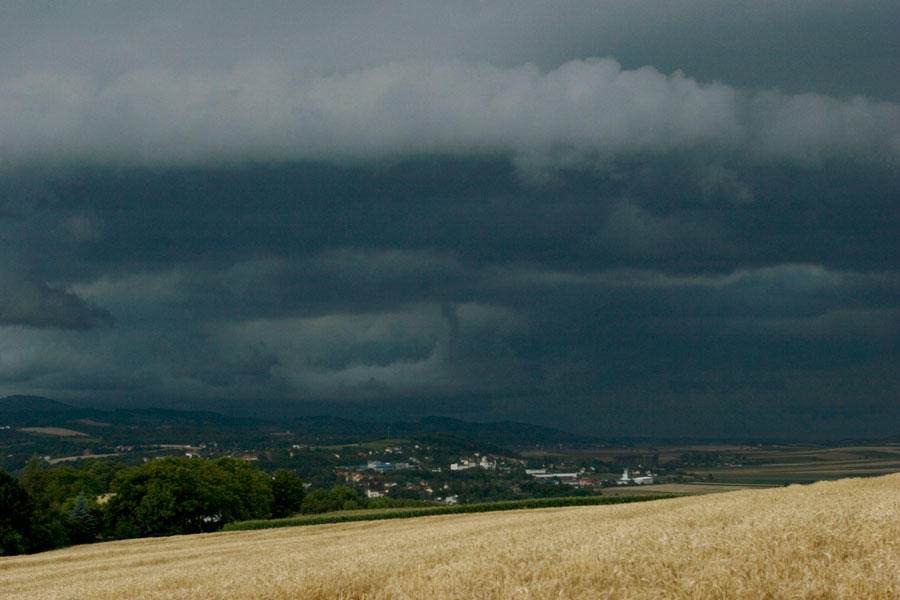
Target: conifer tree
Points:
x,y
82,524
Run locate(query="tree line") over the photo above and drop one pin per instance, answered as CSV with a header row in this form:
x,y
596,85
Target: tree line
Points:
x,y
48,508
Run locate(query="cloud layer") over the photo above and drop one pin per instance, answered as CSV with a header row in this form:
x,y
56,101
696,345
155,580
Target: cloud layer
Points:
x,y
582,113
621,218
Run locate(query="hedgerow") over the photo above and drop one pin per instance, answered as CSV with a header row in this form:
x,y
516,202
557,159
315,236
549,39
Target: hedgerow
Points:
x,y
405,513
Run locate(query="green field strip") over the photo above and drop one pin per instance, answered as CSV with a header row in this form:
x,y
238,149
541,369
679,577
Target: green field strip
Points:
x,y
406,513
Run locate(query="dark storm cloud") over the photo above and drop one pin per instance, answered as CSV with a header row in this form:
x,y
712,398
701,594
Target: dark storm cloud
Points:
x,y
452,213
341,284
207,83
826,46
458,208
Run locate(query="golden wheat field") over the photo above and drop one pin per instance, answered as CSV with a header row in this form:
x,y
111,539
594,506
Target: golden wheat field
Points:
x,y
828,540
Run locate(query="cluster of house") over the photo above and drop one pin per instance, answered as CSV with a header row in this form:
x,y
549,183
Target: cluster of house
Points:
x,y
373,493
421,484
577,479
470,463
571,478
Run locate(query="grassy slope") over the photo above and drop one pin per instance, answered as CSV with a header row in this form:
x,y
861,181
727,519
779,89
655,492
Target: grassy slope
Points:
x,y
828,540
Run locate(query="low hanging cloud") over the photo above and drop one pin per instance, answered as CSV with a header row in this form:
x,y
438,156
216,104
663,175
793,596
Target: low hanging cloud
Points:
x,y
35,304
530,330
579,114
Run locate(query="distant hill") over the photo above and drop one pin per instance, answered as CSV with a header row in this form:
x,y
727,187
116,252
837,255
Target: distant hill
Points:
x,y
25,404
156,417
504,433
336,428
207,425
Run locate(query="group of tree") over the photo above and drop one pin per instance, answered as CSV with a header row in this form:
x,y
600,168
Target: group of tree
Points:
x,y
53,507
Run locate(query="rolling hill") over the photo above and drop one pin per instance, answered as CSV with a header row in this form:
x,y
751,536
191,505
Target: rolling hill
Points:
x,y
44,412
826,540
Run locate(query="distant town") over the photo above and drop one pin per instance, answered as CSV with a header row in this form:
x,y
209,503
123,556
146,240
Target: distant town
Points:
x,y
438,460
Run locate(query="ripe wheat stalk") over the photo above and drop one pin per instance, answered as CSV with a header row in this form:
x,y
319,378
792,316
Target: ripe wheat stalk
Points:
x,y
828,540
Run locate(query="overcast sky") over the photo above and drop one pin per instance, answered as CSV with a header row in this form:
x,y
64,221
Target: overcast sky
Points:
x,y
617,218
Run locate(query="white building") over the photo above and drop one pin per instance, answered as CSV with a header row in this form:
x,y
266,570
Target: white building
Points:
x,y
486,463
463,465
626,479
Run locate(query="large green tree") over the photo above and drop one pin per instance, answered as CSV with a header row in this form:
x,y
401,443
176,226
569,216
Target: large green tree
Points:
x,y
180,495
250,490
49,523
15,516
65,483
287,493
